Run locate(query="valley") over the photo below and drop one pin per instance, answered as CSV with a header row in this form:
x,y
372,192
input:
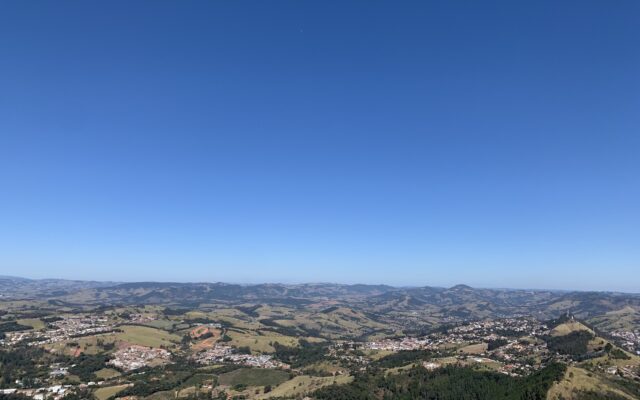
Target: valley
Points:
x,y
158,341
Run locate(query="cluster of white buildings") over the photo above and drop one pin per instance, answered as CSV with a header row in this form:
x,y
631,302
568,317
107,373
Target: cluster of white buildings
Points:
x,y
525,326
226,354
629,340
66,328
52,392
134,357
406,343
141,318
481,331
515,349
511,353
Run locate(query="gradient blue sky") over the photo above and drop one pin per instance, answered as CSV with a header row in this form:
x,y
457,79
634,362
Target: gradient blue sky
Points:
x,y
493,143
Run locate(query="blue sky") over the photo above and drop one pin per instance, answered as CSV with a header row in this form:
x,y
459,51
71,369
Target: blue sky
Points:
x,y
489,143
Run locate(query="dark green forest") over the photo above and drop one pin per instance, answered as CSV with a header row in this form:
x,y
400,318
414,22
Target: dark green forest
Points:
x,y
447,383
573,344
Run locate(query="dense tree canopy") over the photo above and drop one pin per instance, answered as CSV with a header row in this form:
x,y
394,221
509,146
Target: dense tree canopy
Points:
x,y
447,383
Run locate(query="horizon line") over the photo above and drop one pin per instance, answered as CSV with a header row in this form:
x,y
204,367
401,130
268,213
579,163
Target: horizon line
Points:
x,y
119,282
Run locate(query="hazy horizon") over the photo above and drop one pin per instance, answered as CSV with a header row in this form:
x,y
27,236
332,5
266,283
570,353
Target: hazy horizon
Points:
x,y
397,286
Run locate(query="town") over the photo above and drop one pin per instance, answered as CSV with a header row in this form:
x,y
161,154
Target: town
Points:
x,y
137,351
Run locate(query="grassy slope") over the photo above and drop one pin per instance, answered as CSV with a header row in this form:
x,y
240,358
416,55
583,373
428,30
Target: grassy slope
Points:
x,y
578,379
474,348
626,319
568,327
107,373
35,323
304,384
253,377
146,336
104,393
260,343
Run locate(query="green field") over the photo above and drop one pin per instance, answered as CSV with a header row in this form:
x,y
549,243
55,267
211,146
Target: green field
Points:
x,y
147,336
164,395
578,379
104,393
253,377
87,344
161,324
35,323
303,384
262,342
107,373
474,348
131,334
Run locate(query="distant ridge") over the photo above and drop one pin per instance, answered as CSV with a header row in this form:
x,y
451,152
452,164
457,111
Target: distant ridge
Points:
x,y
459,302
16,278
355,286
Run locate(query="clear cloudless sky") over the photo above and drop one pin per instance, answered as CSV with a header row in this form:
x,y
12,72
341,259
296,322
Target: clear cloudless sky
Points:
x,y
492,143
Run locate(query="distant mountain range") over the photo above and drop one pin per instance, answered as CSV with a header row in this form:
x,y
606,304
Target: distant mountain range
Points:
x,y
21,288
431,303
